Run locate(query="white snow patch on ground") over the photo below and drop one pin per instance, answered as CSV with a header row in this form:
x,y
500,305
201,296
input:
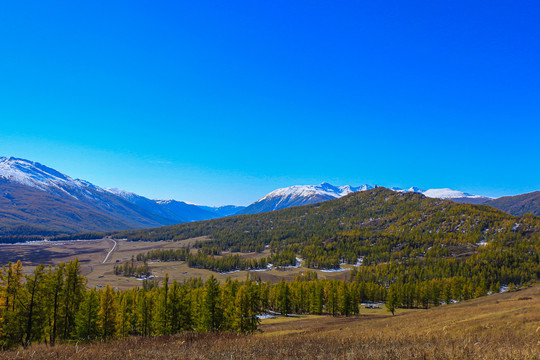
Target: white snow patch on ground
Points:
x,y
373,304
265,316
145,278
334,270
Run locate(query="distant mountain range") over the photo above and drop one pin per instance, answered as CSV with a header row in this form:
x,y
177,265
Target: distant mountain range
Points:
x,y
311,194
35,199
300,195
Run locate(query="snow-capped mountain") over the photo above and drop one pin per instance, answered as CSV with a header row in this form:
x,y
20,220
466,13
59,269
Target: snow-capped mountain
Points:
x,y
35,175
300,195
311,194
411,189
34,195
447,194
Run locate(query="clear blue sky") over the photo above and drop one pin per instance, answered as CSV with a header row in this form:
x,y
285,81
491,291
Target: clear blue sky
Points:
x,y
219,102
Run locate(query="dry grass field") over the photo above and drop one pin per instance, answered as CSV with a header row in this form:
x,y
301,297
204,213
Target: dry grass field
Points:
x,y
501,326
92,253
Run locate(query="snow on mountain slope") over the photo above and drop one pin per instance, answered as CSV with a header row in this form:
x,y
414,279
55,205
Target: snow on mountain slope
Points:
x,y
24,180
300,195
448,194
324,189
41,177
411,189
309,194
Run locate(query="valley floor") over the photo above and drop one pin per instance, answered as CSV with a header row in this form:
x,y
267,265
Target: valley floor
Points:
x,y
98,257
501,326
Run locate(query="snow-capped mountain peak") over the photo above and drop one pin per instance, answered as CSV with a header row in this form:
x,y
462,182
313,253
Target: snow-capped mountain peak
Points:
x,y
411,189
300,195
447,193
324,189
121,193
41,177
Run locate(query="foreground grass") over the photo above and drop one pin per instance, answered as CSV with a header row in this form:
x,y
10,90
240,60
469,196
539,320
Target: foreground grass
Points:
x,y
502,326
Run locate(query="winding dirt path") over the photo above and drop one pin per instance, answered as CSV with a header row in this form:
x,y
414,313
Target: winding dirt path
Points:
x,y
109,253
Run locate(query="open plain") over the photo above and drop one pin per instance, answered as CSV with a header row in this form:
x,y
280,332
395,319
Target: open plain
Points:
x,y
98,257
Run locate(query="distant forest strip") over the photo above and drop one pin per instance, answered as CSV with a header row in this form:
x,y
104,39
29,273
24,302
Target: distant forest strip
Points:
x,y
204,259
53,304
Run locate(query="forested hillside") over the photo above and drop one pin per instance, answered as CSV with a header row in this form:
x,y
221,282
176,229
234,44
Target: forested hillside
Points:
x,y
403,239
377,225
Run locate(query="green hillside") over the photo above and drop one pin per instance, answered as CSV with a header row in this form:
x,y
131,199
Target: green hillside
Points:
x,y
379,225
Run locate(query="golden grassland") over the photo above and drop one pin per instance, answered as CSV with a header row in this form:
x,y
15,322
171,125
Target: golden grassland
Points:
x,y
92,253
501,326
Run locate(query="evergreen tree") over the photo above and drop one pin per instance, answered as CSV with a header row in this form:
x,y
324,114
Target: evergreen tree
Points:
x,y
34,306
73,296
56,293
86,321
391,302
125,314
284,299
212,311
107,314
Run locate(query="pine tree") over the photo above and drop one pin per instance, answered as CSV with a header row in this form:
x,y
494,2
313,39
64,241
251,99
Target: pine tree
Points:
x,y
125,314
242,308
255,309
56,292
332,298
12,321
284,299
73,296
212,311
163,310
107,314
344,299
86,321
391,303
34,309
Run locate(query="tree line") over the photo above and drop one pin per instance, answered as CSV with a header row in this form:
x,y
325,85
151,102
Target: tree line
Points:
x,y
53,303
206,260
